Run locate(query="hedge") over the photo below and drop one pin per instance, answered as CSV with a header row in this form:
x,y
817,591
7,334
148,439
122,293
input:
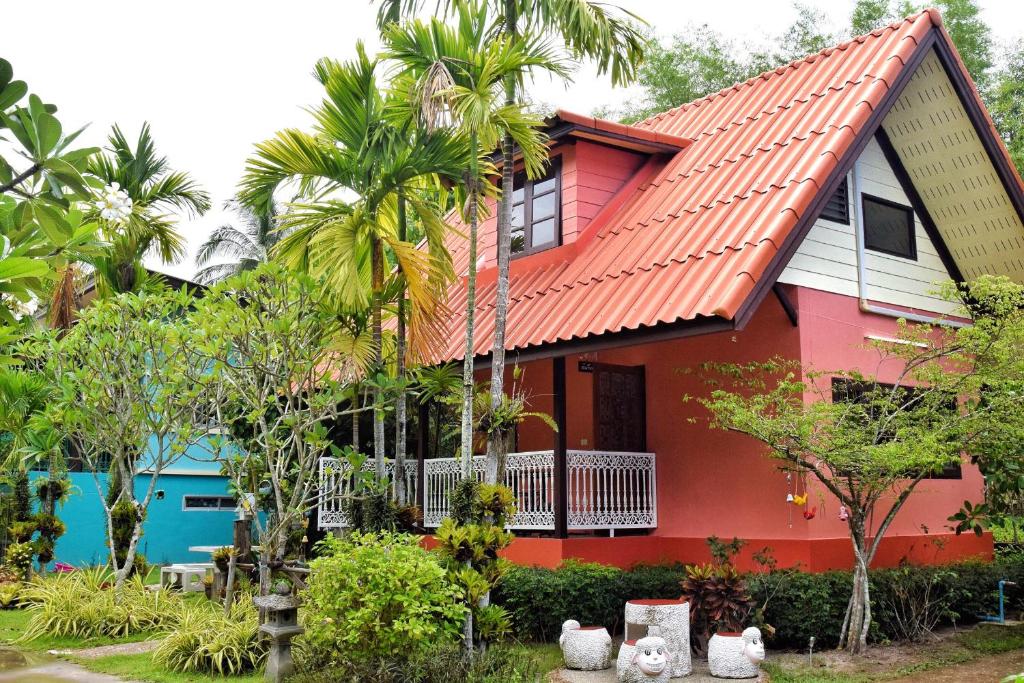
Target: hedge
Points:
x,y
803,605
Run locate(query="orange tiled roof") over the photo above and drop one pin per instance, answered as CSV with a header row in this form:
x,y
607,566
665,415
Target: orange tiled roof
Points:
x,y
692,234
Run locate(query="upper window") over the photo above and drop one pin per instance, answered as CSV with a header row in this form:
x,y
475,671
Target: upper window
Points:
x,y
838,206
889,227
537,211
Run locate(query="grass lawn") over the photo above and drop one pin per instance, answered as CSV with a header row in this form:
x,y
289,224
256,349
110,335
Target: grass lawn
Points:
x,y
886,663
14,621
140,667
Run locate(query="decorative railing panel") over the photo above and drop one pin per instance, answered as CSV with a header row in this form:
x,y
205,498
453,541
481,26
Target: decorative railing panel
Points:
x,y
336,483
604,490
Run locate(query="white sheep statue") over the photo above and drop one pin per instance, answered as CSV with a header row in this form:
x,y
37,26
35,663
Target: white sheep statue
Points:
x,y
736,655
644,661
585,648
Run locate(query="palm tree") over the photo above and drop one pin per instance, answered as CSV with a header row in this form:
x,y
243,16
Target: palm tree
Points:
x,y
455,75
247,246
359,150
610,37
157,192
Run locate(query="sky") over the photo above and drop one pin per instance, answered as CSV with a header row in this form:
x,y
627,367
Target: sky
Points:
x,y
214,77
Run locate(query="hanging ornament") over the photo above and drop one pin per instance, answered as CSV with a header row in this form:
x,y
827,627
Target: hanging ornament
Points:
x,y
844,514
800,499
809,513
789,497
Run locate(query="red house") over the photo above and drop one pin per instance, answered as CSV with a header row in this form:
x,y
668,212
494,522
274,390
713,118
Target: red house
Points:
x,y
800,214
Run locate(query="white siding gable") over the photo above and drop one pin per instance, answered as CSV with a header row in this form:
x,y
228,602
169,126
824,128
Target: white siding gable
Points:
x,y
827,258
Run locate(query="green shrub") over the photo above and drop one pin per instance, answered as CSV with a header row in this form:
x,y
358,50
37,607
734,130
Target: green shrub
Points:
x,y
82,604
540,599
377,596
19,557
802,605
497,664
9,593
203,640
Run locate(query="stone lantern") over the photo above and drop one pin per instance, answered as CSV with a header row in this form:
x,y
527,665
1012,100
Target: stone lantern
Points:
x,y
282,614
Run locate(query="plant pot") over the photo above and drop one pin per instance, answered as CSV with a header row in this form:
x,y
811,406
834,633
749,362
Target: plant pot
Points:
x,y
736,655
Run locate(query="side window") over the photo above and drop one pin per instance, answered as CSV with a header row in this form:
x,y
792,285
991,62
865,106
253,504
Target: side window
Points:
x,y
537,211
211,503
889,227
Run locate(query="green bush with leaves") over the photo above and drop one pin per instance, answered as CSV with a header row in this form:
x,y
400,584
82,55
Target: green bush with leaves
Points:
x,y
9,594
202,639
377,595
19,556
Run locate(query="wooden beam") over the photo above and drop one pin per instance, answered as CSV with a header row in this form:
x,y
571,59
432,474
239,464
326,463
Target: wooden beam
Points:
x,y
787,304
561,441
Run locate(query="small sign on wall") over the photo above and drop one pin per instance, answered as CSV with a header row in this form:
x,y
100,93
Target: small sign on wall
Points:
x,y
586,366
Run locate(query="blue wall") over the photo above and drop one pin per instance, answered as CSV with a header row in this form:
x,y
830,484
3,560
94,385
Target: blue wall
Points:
x,y
168,530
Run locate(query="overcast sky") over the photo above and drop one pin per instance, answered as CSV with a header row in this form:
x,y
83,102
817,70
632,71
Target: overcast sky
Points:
x,y
213,77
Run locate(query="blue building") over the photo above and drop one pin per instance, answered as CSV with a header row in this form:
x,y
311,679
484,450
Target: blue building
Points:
x,y
190,507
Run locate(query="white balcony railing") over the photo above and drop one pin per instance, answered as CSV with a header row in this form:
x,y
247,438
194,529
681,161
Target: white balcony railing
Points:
x,y
604,489
336,483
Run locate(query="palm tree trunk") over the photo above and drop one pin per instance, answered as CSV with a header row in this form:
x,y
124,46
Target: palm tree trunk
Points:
x,y
496,449
401,406
377,258
467,363
357,403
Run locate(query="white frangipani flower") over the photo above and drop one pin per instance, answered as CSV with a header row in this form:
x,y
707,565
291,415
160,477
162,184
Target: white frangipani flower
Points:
x,y
114,205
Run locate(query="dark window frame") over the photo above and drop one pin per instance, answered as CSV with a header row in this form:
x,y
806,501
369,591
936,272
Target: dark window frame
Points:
x,y
844,217
185,507
846,389
912,222
520,180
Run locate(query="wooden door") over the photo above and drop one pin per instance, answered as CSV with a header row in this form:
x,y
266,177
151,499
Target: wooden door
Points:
x,y
620,408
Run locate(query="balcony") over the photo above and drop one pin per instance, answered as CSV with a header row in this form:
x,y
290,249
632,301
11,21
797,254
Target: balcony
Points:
x,y
603,489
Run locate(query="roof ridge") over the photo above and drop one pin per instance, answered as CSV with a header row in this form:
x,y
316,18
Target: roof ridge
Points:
x,y
932,14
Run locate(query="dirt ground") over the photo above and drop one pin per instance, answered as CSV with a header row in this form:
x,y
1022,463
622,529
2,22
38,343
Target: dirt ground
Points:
x,y
985,670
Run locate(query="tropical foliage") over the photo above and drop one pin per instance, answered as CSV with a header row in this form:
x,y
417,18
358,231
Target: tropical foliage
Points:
x,y
244,247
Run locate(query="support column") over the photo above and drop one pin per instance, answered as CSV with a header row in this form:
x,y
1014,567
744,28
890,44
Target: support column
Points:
x,y
561,439
422,441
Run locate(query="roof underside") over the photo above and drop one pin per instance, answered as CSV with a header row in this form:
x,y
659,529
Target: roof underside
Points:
x,y
697,231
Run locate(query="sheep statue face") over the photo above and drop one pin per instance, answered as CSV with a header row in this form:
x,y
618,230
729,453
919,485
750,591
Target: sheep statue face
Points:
x,y
753,646
651,656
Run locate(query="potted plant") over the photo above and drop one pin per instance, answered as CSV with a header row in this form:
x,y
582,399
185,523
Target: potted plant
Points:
x,y
222,557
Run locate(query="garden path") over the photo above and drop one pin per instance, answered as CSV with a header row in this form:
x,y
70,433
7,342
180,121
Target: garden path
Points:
x,y
700,675
56,672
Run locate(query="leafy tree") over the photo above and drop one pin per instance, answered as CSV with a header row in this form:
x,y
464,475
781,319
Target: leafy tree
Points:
x,y
1006,102
125,397
871,448
269,370
609,37
247,246
457,75
156,193
359,149
41,180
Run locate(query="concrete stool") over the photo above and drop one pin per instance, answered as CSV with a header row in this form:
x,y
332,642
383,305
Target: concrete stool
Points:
x,y
585,648
669,619
187,577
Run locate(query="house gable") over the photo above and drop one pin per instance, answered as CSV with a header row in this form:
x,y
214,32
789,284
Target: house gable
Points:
x,y
827,258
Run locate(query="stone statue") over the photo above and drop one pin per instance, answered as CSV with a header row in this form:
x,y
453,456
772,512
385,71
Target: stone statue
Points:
x,y
735,655
587,648
644,661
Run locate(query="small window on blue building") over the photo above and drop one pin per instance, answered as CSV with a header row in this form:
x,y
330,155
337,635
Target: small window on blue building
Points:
x,y
208,503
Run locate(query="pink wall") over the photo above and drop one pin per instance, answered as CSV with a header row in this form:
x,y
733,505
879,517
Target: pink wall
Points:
x,y
713,482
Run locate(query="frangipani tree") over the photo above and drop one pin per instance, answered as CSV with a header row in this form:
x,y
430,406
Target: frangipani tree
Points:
x,y
454,76
273,379
125,397
870,442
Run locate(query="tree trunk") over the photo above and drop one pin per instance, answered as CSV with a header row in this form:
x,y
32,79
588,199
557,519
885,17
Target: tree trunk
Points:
x,y
854,636
229,587
495,443
357,403
377,265
401,406
467,362
121,573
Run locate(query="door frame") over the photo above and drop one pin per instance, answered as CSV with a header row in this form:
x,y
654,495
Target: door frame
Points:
x,y
639,370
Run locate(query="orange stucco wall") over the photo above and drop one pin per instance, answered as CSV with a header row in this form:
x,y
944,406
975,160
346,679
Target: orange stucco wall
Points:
x,y
717,483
